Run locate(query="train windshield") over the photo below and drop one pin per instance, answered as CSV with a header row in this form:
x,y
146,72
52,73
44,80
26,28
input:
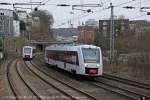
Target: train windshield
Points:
x,y
91,55
27,50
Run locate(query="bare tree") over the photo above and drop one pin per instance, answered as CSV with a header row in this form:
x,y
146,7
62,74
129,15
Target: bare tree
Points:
x,y
42,21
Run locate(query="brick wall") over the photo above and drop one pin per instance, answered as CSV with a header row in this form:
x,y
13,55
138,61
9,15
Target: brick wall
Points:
x,y
86,34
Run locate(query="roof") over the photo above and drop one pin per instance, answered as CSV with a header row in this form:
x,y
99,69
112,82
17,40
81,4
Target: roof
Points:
x,y
69,47
27,47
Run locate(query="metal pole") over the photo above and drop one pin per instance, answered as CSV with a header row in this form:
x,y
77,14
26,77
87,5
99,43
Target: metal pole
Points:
x,y
31,4
112,33
30,31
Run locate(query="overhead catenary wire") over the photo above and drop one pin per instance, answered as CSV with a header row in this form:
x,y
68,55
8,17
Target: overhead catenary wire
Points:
x,y
43,3
138,16
106,1
83,16
102,2
125,3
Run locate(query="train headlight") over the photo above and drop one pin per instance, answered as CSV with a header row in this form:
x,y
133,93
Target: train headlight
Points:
x,y
98,65
85,65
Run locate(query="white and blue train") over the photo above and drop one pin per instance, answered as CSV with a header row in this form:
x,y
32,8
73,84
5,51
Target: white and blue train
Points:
x,y
1,54
27,52
83,60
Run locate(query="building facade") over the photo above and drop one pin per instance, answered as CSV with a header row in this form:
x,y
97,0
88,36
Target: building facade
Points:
x,y
22,15
86,34
8,23
121,27
91,22
16,28
139,26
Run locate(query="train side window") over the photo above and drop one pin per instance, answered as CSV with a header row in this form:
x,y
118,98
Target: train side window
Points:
x,y
69,57
65,56
49,54
75,58
72,57
58,55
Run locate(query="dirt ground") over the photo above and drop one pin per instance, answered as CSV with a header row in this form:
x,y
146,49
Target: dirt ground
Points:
x,y
1,80
139,73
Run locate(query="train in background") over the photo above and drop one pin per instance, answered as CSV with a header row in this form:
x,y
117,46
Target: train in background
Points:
x,y
83,60
1,54
1,48
27,52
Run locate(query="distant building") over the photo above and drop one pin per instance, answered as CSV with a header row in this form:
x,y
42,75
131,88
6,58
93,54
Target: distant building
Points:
x,y
22,15
23,18
8,23
91,22
36,22
16,25
139,26
121,27
86,34
64,32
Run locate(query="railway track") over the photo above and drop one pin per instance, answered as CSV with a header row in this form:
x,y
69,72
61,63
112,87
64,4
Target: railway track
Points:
x,y
36,94
74,93
10,80
127,81
138,94
19,87
119,90
131,88
89,83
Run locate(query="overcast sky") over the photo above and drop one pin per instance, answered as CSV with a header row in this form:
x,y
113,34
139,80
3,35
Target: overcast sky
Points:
x,y
63,14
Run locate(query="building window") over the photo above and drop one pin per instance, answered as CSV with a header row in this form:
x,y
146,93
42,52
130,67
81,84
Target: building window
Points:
x,y
122,28
1,28
104,23
1,13
123,23
104,28
1,23
1,19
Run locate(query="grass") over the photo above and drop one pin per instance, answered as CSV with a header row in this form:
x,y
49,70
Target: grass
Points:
x,y
138,72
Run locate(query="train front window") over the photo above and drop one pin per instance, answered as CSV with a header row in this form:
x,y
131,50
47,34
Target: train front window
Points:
x,y
91,55
27,50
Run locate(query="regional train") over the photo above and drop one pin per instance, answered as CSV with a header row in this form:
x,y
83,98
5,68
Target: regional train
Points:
x,y
1,54
1,48
27,52
83,60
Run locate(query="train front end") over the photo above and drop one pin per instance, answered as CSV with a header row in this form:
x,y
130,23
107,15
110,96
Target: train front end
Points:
x,y
91,61
27,53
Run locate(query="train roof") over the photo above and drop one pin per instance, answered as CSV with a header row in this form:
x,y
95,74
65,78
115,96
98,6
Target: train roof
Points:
x,y
28,47
73,47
